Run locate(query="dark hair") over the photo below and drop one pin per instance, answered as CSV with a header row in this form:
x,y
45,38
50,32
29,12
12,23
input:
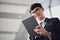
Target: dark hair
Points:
x,y
35,5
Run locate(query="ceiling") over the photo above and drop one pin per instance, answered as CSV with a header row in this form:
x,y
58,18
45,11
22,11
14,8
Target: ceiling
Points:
x,y
26,2
19,8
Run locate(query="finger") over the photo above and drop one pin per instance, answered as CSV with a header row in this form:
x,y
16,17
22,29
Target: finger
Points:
x,y
38,27
39,32
35,30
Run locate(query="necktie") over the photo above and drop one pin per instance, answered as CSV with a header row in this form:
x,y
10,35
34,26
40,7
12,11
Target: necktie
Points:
x,y
41,23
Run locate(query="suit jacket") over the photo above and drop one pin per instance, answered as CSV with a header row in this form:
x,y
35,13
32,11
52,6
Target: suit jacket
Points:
x,y
53,26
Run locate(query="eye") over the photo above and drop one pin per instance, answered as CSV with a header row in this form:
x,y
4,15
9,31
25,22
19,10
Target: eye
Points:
x,y
36,9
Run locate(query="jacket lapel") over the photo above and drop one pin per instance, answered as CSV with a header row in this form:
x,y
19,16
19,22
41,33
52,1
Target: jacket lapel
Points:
x,y
46,21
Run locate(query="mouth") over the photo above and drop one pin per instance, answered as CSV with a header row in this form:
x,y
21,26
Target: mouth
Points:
x,y
38,15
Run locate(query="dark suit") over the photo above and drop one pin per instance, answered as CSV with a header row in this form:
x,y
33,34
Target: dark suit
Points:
x,y
53,26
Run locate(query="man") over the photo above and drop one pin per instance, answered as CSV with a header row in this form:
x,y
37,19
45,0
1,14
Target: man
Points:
x,y
48,28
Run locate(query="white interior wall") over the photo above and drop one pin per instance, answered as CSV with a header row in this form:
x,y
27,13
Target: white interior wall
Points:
x,y
56,11
13,9
11,25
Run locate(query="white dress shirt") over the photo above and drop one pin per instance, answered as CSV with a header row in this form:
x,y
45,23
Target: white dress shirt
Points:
x,y
43,24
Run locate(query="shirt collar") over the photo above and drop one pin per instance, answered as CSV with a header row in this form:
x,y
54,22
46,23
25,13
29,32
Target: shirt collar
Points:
x,y
38,21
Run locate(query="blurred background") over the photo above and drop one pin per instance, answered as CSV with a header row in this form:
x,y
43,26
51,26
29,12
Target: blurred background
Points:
x,y
12,12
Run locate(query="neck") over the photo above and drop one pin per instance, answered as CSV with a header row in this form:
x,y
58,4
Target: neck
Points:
x,y
41,18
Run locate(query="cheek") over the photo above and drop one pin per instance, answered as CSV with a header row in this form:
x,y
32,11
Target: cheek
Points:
x,y
41,11
35,16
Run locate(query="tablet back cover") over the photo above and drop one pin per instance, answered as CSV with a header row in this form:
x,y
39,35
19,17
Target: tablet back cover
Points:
x,y
30,23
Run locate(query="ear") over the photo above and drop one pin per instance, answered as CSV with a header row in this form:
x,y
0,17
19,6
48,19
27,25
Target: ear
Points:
x,y
43,9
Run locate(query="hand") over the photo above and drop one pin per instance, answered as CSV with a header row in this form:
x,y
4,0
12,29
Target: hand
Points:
x,y
40,30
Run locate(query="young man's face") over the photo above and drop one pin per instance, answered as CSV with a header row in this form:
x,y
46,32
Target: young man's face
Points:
x,y
38,12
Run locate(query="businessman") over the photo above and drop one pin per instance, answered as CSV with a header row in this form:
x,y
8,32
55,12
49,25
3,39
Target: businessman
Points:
x,y
48,28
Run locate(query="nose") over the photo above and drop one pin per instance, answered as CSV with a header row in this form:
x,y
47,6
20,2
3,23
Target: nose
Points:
x,y
37,12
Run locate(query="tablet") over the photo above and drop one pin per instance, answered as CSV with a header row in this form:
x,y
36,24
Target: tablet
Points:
x,y
30,23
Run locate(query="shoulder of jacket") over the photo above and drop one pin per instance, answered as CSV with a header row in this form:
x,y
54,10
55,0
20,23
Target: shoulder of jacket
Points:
x,y
57,19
